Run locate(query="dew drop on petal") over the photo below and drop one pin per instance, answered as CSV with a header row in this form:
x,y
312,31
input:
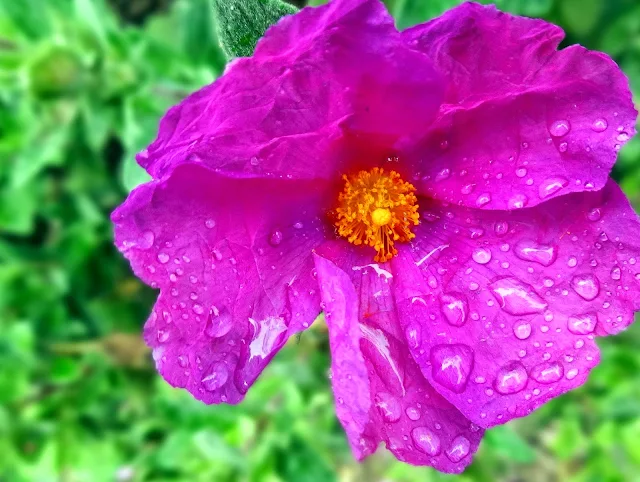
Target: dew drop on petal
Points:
x,y
516,297
276,238
388,406
582,324
599,125
451,365
511,378
481,255
426,441
538,253
560,128
586,286
616,273
163,258
594,214
550,186
522,330
219,323
455,308
517,201
217,377
413,413
483,199
459,449
547,372
210,223
571,374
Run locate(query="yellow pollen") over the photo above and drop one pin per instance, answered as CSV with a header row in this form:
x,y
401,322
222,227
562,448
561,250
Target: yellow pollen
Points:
x,y
377,209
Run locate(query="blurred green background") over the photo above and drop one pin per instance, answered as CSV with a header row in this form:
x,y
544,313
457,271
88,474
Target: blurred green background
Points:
x,y
83,84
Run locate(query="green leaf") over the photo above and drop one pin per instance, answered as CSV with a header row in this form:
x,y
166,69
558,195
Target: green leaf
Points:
x,y
241,23
506,442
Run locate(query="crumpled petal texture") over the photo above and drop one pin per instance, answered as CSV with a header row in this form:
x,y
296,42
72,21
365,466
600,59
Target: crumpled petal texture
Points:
x,y
380,394
313,76
522,122
224,308
500,309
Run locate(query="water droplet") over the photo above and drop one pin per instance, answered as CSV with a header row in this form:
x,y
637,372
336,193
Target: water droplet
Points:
x,y
550,186
454,307
538,253
563,147
210,223
599,125
623,137
219,323
426,441
501,228
511,378
483,199
459,449
547,372
516,297
594,214
572,262
442,175
522,330
413,413
481,255
198,309
571,374
276,238
217,378
616,273
388,406
560,128
582,324
162,335
521,172
586,286
518,201
163,258
451,365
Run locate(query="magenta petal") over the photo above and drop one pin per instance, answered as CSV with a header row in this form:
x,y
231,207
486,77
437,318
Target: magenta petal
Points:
x,y
521,121
379,390
315,75
500,309
232,260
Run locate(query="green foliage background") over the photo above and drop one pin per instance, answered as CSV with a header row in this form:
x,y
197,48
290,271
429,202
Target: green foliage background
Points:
x,y
81,90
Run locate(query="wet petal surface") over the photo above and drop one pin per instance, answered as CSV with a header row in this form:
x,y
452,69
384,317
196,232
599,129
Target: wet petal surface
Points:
x,y
521,122
232,261
500,309
379,391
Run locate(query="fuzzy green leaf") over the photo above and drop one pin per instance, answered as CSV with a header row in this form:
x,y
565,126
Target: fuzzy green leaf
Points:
x,y
241,23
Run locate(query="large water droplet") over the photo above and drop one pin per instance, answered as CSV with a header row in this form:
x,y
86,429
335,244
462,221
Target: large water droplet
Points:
x,y
516,297
219,323
481,255
388,406
413,413
547,372
582,324
426,441
146,240
587,286
560,128
163,258
538,253
451,365
511,378
459,449
454,307
217,377
522,330
599,125
550,186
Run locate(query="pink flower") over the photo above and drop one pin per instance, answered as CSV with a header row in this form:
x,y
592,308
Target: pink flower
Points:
x,y
442,193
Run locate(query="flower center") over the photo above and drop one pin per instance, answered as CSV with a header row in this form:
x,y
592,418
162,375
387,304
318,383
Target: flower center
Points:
x,y
377,209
